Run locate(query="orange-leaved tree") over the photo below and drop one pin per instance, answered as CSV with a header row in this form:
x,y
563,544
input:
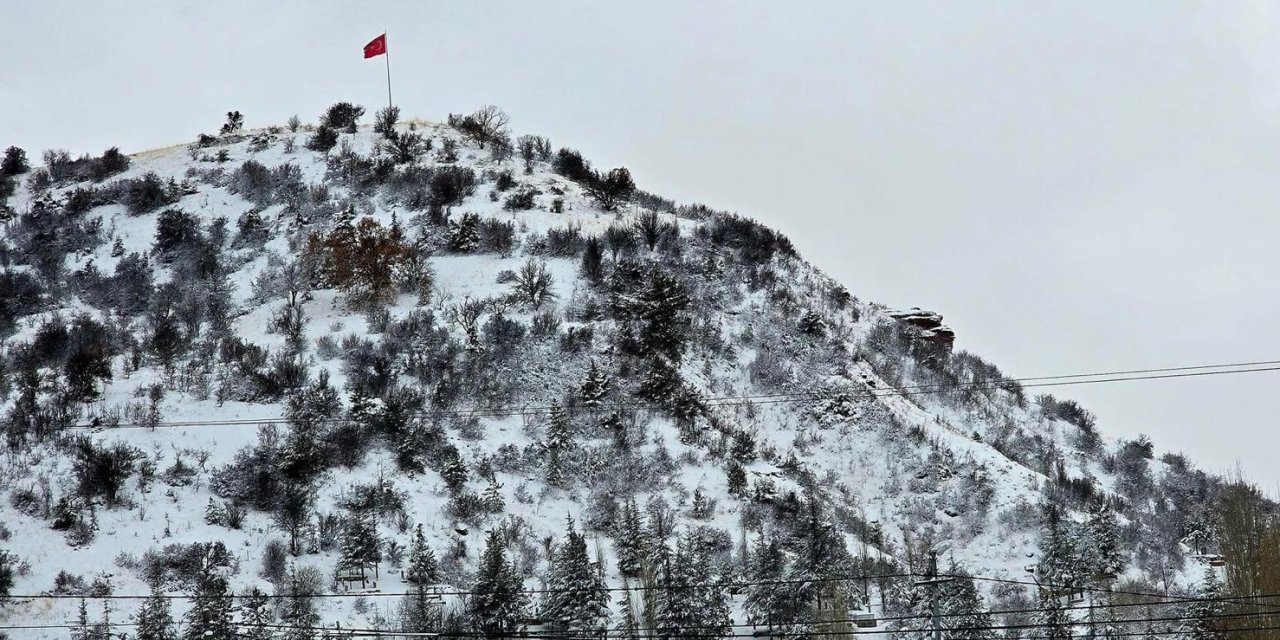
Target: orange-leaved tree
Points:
x,y
365,260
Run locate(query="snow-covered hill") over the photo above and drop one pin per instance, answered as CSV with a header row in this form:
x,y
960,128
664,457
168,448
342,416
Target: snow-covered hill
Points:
x,y
251,342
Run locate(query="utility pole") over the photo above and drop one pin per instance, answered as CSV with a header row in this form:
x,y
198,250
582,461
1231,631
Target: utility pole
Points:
x,y
931,581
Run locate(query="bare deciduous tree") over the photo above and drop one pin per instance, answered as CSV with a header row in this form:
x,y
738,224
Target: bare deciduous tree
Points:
x,y
533,148
483,126
532,283
467,316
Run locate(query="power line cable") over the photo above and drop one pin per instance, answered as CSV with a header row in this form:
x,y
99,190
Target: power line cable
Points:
x,y
758,399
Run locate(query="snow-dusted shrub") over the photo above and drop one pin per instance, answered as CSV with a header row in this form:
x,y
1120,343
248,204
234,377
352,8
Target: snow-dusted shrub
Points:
x,y
570,164
466,506
67,583
408,148
146,194
448,153
101,470
98,169
327,348
323,139
176,232
610,189
342,115
384,122
562,242
8,568
503,180
496,236
753,242
577,339
275,561
379,497
251,230
768,371
450,185
308,580
20,295
268,186
377,320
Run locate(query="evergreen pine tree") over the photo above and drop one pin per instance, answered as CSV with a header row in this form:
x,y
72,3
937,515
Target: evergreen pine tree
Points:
x,y
595,387
214,514
614,425
961,610
629,541
255,615
1102,540
455,470
209,617
659,521
498,602
411,446
293,513
361,546
820,554
302,458
736,479
155,622
1060,566
1110,626
464,234
492,499
689,602
557,443
82,631
1201,623
559,433
420,613
555,468
1053,620
768,600
577,600
660,308
423,569
629,624
104,629
702,508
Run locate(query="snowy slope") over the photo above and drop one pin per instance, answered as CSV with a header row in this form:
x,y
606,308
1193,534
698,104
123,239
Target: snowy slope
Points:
x,y
960,473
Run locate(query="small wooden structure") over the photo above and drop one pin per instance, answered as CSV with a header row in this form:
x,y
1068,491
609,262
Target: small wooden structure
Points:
x,y
863,619
349,576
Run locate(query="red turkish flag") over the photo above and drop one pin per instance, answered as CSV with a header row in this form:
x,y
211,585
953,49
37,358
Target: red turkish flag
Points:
x,y
376,47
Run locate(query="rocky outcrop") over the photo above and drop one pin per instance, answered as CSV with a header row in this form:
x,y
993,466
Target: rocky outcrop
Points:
x,y
928,326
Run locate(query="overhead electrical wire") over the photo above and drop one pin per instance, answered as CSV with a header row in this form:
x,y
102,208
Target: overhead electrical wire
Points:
x,y
764,399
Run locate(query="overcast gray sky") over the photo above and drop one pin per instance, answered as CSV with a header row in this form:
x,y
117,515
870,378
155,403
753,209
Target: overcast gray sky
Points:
x,y
1076,186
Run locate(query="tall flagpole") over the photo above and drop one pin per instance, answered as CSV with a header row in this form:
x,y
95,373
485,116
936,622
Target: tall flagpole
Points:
x,y
387,55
